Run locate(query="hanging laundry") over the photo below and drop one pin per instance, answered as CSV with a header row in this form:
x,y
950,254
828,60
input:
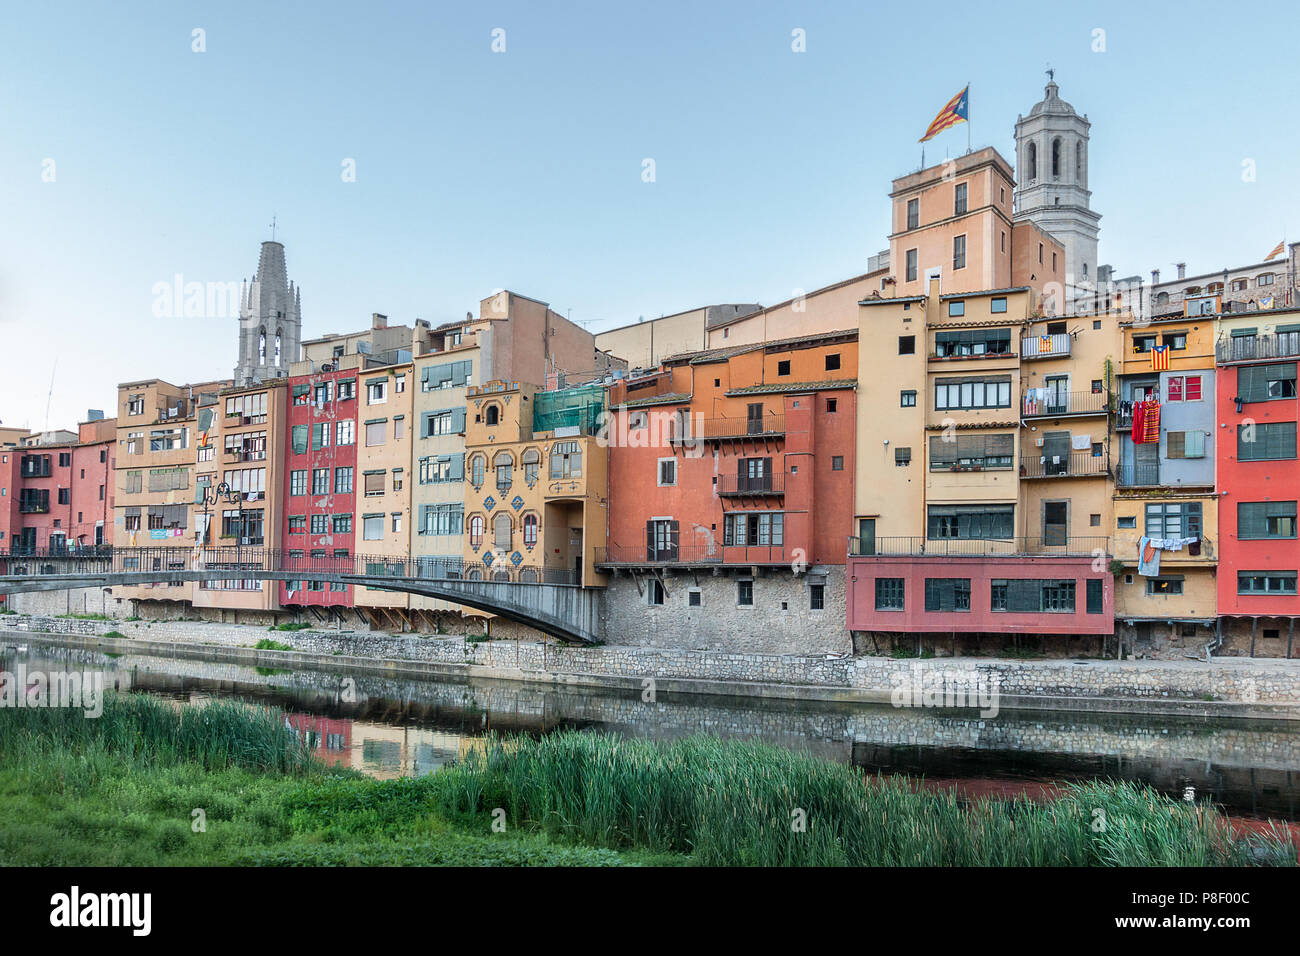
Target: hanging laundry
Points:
x,y
1194,549
1148,558
1081,442
1146,423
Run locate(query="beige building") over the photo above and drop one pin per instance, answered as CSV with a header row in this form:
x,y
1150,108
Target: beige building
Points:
x,y
383,535
536,502
646,343
833,308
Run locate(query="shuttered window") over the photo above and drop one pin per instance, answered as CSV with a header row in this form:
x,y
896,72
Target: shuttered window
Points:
x,y
1266,441
967,452
1266,383
947,594
1266,519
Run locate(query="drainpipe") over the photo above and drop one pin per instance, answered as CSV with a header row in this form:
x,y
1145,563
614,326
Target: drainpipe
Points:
x,y
1215,644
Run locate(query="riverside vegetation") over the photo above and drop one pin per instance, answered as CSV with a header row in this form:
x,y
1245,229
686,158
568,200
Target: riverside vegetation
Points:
x,y
124,789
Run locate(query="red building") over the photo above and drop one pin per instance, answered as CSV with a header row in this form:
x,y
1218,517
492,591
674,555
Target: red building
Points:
x,y
1258,479
320,479
59,495
730,486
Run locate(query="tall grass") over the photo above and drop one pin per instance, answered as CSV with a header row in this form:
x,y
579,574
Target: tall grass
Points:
x,y
147,731
733,803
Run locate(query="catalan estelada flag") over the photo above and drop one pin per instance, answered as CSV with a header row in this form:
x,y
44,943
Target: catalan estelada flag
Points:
x,y
1159,358
956,111
1277,251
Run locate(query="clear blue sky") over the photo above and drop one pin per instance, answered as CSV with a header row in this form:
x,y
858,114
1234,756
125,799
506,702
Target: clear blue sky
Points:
x,y
479,170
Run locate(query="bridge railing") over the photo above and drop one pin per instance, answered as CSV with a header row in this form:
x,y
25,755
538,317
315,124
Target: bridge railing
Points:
x,y
232,563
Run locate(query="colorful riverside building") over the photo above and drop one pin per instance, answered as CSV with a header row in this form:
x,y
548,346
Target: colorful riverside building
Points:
x,y
56,495
983,446
500,343
536,488
321,478
1165,481
1258,480
730,486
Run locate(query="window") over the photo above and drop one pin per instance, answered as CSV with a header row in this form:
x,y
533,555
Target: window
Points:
x,y
320,524
907,398
376,432
947,594
816,597
320,481
374,483
1165,585
913,213
693,598
399,383
970,522
958,252
907,345
1239,285
502,529
667,471
971,452
347,389
833,362
399,427
343,524
477,466
504,465
1126,521
745,593
753,529
1032,595
902,458
298,482
1177,520
998,304
135,405
1177,341
377,391
476,527
889,594
532,460
832,406
531,524
446,519
372,527
911,265
970,342
837,462
1266,582
343,481
655,593
297,524
1143,343
397,522
956,307
1266,383
970,393
1094,596
1094,520
1266,441
783,367
1266,519
1184,388
566,459
1265,279
959,199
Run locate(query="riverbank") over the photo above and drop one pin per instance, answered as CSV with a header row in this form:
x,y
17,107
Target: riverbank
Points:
x,y
1223,688
221,783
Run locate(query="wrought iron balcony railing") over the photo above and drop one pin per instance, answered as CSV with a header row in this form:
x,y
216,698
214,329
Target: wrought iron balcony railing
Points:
x,y
1045,403
1075,464
914,546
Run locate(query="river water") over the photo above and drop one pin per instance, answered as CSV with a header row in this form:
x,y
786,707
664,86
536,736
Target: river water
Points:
x,y
393,727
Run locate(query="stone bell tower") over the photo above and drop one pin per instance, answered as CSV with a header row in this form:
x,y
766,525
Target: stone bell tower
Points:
x,y
270,320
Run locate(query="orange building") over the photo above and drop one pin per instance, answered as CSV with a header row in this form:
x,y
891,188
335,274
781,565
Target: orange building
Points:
x,y
731,484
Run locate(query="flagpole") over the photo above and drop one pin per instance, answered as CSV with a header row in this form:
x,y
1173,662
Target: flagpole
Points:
x,y
968,116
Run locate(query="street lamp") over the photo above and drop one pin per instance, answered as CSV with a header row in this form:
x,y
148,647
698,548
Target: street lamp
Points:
x,y
221,493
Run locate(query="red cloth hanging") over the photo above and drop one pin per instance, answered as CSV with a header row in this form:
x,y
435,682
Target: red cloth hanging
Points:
x,y
1151,423
1138,410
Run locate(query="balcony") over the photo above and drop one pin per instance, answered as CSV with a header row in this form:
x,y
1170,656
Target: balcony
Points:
x,y
1045,346
1138,475
642,555
1253,348
744,486
1052,545
727,428
1076,464
1062,404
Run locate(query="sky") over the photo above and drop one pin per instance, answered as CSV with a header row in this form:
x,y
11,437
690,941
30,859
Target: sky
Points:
x,y
130,158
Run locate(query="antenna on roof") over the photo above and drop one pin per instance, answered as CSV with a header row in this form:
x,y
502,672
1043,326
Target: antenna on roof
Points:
x,y
50,397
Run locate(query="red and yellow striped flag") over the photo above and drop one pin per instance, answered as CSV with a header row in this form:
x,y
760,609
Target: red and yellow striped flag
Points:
x,y
1277,251
956,111
1159,358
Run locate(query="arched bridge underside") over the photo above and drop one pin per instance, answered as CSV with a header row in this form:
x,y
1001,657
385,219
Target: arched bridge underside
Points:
x,y
566,611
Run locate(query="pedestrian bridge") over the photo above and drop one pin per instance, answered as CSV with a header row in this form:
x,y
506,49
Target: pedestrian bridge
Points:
x,y
552,601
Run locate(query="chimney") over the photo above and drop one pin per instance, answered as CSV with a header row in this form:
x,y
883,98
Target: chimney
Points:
x,y
378,321
1182,269
1155,276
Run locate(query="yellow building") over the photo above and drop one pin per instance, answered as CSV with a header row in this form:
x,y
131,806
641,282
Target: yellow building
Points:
x,y
535,501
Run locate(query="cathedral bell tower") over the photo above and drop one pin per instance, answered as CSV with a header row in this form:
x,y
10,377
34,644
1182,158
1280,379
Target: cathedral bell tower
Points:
x,y
1052,184
270,320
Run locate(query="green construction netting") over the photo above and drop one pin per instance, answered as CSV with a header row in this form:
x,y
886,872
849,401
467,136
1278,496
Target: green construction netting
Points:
x,y
581,406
